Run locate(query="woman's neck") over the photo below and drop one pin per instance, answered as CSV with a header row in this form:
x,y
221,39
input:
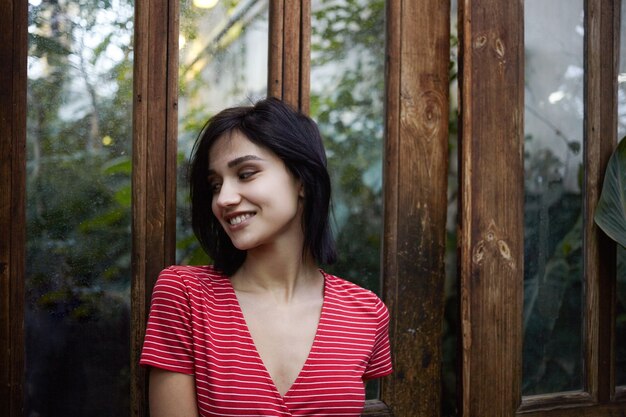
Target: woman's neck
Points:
x,y
286,277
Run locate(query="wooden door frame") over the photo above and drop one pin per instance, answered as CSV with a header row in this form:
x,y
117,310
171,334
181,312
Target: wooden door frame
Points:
x,y
491,239
13,55
492,61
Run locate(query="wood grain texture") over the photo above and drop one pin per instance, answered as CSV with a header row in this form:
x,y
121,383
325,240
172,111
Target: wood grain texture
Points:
x,y
376,408
535,403
13,56
154,167
608,410
275,49
600,127
490,236
415,204
291,52
305,56
289,66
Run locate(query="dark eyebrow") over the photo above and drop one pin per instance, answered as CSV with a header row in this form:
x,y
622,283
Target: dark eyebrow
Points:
x,y
239,161
242,159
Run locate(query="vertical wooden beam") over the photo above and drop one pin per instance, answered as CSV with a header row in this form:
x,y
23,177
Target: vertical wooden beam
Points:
x,y
290,51
602,31
155,122
13,55
491,238
304,92
275,49
415,204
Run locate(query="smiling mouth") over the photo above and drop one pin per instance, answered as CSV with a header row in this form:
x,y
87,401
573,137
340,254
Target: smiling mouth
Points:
x,y
240,218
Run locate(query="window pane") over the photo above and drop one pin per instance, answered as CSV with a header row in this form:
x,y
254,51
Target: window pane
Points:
x,y
78,208
552,358
223,63
620,330
347,96
347,90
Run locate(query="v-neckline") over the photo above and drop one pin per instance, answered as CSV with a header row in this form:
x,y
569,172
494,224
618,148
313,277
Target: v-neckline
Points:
x,y
239,311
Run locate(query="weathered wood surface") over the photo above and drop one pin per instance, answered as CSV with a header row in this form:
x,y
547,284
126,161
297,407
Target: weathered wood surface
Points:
x,y
602,21
290,52
491,205
415,204
155,122
275,49
13,53
602,28
608,410
376,408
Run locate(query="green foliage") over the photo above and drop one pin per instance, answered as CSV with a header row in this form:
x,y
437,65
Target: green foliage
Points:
x,y
78,209
348,106
611,209
610,216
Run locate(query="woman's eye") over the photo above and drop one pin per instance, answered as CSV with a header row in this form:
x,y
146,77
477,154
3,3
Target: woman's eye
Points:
x,y
247,174
215,187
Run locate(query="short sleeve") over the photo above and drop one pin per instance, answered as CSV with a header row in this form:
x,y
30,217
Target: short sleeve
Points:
x,y
379,364
168,342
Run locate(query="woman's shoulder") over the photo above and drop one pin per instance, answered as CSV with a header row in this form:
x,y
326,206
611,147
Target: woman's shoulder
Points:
x,y
351,293
190,274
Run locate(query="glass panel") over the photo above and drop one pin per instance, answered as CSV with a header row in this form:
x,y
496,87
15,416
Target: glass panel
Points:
x,y
223,63
347,90
552,355
347,97
451,314
620,330
78,208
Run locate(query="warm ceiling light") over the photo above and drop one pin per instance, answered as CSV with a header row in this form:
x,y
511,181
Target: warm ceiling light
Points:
x,y
205,4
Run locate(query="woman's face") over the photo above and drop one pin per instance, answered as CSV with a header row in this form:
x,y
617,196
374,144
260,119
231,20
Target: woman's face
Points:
x,y
256,199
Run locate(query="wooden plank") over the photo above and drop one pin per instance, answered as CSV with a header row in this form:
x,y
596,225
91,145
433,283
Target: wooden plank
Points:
x,y
289,66
305,57
171,138
291,53
138,392
415,172
13,55
154,167
275,49
552,401
376,408
607,410
391,175
491,240
601,66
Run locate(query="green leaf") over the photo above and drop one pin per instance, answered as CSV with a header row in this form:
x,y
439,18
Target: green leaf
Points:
x,y
611,210
119,165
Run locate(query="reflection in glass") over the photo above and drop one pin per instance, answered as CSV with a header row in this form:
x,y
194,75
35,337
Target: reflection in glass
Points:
x,y
78,208
552,352
223,63
620,308
347,76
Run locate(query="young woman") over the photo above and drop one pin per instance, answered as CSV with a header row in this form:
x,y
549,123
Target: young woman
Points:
x,y
263,331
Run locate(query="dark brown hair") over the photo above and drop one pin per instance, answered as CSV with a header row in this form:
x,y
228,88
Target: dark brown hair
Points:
x,y
296,140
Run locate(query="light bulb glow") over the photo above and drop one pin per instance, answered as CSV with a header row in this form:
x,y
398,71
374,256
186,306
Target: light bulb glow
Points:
x,y
205,4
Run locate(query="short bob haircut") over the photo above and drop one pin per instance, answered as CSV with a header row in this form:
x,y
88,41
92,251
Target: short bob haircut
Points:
x,y
296,140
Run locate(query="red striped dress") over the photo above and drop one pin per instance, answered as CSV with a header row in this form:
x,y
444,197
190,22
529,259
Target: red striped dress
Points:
x,y
196,327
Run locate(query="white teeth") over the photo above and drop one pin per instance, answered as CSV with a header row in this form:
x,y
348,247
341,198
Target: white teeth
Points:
x,y
239,219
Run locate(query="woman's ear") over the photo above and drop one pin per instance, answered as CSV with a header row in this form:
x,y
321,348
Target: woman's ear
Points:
x,y
301,190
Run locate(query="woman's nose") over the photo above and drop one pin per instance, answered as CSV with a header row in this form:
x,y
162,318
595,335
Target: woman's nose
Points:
x,y
228,195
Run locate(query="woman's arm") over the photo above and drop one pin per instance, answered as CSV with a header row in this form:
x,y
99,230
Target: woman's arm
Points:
x,y
172,394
